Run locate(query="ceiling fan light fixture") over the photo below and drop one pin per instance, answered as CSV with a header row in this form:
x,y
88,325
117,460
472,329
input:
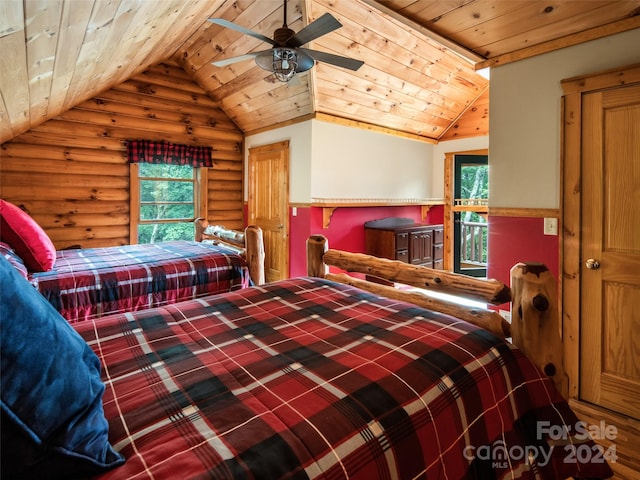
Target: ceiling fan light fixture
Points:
x,y
285,63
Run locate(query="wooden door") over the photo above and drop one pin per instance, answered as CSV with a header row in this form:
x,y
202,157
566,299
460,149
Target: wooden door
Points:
x,y
269,203
610,250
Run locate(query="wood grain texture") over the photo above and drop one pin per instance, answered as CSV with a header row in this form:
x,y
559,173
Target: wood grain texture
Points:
x,y
71,173
419,77
576,205
320,258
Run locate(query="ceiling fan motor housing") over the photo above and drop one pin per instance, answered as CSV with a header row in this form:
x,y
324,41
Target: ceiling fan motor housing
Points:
x,y
281,35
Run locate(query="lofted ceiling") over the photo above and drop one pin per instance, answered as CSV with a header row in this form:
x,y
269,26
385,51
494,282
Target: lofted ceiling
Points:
x,y
420,75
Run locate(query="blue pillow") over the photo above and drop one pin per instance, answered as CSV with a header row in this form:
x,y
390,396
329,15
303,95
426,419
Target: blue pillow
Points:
x,y
53,423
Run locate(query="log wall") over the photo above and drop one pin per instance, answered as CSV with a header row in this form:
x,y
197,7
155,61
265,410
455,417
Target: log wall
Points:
x,y
71,173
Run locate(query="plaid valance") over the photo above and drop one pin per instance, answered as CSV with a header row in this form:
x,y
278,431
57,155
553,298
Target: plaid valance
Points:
x,y
146,151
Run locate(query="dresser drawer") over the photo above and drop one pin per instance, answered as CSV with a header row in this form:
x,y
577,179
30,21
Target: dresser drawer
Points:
x,y
438,252
402,255
402,241
438,235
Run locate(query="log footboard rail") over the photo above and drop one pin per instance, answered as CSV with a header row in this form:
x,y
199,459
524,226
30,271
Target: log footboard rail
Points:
x,y
248,243
535,320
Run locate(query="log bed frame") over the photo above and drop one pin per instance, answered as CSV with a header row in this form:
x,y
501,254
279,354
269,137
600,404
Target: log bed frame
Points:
x,y
535,320
248,243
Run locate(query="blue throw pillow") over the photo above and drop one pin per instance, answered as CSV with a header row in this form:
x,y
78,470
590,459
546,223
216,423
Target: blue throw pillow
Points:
x,y
53,423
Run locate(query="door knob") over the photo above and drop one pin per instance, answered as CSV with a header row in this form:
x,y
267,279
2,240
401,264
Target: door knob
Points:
x,y
592,264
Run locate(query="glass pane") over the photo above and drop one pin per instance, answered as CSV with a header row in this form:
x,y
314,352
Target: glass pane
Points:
x,y
166,211
474,181
165,191
165,171
164,232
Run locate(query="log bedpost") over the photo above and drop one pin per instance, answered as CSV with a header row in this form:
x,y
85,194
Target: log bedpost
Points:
x,y
200,224
317,245
254,251
535,320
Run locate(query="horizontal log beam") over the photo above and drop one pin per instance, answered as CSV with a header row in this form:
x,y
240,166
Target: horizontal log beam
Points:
x,y
34,152
491,291
22,193
62,168
487,319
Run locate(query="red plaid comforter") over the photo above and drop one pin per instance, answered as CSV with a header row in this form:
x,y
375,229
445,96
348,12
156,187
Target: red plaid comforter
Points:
x,y
305,378
94,282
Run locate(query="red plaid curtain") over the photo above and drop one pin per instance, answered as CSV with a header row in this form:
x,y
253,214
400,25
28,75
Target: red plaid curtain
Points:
x,y
146,151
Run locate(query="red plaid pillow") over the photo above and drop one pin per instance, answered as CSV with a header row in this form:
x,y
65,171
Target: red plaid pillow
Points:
x,y
13,259
26,238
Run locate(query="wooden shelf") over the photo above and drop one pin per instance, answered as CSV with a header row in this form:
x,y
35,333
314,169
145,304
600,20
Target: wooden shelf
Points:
x,y
329,205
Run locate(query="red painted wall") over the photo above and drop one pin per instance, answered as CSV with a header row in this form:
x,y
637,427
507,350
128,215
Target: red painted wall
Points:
x,y
346,229
511,239
520,239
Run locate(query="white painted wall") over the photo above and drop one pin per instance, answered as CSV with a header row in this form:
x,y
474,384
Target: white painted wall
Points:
x,y
353,163
329,161
524,118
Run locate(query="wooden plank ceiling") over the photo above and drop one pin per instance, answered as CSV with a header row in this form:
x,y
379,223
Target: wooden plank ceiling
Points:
x,y
421,57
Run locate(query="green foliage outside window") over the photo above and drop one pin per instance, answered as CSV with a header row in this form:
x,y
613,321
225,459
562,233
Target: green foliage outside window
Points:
x,y
167,202
474,184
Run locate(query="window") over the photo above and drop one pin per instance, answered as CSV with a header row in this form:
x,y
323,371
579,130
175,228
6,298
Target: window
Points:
x,y
168,190
168,202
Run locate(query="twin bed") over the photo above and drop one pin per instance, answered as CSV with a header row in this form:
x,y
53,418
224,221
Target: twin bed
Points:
x,y
89,283
314,378
94,282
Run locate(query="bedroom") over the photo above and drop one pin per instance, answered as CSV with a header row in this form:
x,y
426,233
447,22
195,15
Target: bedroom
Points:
x,y
517,153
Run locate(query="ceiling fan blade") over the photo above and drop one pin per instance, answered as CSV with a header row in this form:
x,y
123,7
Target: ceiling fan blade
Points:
x,y
337,60
320,26
238,28
228,61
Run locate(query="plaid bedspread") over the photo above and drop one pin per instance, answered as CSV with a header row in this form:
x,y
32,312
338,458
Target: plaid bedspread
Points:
x,y
93,282
304,378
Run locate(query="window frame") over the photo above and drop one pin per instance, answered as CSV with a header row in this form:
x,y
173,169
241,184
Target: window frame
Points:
x,y
200,186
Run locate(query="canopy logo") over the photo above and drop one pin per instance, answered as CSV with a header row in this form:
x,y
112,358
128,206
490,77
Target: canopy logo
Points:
x,y
501,456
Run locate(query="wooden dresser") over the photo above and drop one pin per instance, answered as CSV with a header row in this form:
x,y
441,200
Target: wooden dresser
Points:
x,y
401,239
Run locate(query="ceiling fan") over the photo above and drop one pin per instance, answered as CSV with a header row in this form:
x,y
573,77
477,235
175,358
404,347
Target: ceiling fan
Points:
x,y
287,57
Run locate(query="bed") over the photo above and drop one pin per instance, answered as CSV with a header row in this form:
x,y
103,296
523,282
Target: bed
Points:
x,y
93,282
314,378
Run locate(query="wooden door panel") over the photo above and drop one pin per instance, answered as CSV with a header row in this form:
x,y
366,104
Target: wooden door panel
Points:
x,y
269,203
610,306
623,141
621,356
